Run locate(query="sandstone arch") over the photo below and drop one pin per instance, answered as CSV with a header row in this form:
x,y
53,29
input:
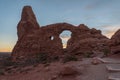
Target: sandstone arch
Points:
x,y
37,40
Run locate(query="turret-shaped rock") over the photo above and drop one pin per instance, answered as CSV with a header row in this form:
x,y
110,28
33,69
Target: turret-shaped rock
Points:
x,y
28,22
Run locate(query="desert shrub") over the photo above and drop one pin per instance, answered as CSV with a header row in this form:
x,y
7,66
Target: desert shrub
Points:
x,y
68,58
35,65
1,72
47,64
55,58
8,62
39,58
42,58
87,54
106,52
30,61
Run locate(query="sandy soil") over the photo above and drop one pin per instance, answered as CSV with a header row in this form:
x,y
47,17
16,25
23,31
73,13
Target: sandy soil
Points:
x,y
87,71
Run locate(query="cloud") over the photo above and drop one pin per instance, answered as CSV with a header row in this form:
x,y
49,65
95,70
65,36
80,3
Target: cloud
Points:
x,y
96,4
65,37
64,40
89,7
110,30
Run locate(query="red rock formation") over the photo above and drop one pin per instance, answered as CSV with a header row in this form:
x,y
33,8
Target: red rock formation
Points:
x,y
87,41
28,22
33,40
115,42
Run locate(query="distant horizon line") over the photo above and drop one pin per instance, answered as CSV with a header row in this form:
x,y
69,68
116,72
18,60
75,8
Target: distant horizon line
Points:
x,y
5,52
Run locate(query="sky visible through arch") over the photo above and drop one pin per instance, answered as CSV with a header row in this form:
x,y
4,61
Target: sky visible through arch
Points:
x,y
99,14
65,36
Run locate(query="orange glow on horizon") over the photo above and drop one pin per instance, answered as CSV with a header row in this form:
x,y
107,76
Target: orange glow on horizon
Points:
x,y
109,35
64,45
5,49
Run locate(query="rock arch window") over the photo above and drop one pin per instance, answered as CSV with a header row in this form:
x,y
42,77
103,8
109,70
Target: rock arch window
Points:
x,y
51,37
65,36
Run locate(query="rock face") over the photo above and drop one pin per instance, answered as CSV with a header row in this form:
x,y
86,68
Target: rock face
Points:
x,y
115,42
33,39
87,41
28,22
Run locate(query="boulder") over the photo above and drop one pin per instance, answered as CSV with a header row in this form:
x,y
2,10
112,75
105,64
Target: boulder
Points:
x,y
68,70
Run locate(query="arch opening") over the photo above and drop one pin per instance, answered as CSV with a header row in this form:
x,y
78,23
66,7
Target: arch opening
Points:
x,y
65,36
51,37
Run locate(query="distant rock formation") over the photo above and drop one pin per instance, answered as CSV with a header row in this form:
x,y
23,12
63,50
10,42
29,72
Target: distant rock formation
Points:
x,y
115,42
33,39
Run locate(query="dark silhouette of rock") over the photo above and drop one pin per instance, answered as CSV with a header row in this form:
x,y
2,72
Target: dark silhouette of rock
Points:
x,y
33,40
115,42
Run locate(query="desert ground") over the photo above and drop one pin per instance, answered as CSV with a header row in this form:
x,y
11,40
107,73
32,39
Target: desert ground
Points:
x,y
107,68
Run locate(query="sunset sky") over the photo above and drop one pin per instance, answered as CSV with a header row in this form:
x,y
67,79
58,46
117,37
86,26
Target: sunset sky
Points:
x,y
99,14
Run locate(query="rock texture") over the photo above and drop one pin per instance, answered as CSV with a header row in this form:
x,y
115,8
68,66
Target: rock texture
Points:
x,y
68,70
87,41
115,42
33,39
28,22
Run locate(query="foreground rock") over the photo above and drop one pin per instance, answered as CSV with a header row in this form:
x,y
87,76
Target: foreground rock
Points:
x,y
67,71
53,71
79,70
34,40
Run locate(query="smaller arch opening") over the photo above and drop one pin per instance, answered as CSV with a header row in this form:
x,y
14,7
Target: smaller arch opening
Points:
x,y
51,37
65,36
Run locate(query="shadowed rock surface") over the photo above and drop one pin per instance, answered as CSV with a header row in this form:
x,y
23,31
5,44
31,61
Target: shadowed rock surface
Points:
x,y
115,42
33,39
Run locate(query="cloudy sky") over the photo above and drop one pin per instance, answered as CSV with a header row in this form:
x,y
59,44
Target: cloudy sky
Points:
x,y
99,14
